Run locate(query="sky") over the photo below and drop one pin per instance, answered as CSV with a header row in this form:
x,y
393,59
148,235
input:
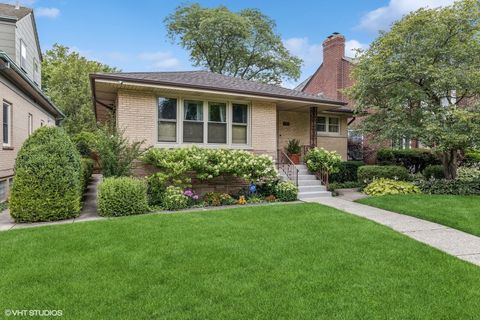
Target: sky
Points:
x,y
131,35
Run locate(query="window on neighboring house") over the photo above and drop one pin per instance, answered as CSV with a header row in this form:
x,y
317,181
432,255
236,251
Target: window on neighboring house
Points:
x,y
239,123
328,124
42,123
193,121
167,120
7,119
30,124
402,143
217,122
35,71
23,55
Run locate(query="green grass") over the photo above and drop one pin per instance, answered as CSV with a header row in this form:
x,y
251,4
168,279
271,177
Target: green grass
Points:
x,y
459,212
302,261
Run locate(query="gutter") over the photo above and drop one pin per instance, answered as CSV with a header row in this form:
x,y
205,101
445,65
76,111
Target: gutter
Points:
x,y
9,64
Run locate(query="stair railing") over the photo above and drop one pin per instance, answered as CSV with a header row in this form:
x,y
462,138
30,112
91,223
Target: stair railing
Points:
x,y
321,175
287,166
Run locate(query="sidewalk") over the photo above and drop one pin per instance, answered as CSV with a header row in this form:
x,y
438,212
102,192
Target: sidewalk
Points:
x,y
454,242
88,213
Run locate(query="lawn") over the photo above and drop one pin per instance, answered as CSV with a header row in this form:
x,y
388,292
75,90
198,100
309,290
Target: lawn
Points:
x,y
459,212
301,261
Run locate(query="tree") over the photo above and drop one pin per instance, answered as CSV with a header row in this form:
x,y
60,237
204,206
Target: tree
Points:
x,y
422,80
65,80
242,44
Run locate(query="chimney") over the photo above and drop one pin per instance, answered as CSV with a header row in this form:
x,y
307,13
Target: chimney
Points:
x,y
333,48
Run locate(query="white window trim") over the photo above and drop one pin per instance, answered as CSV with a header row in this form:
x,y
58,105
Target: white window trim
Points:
x,y
9,143
327,126
180,110
23,60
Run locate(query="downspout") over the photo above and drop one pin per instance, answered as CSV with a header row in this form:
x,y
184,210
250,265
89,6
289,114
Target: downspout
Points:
x,y
351,121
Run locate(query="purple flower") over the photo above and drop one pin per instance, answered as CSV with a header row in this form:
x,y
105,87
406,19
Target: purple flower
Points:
x,y
188,193
195,197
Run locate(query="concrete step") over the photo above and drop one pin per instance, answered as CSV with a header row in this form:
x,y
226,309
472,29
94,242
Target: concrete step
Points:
x,y
311,188
315,194
303,183
300,166
306,177
303,171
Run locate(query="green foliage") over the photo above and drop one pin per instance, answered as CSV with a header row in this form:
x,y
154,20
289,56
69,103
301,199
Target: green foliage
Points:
x,y
65,79
116,152
86,170
367,174
415,160
242,44
177,165
286,191
85,142
47,180
218,198
122,196
174,199
268,188
417,80
293,146
156,186
255,199
434,171
382,187
454,187
472,157
468,174
332,186
318,159
347,171
3,206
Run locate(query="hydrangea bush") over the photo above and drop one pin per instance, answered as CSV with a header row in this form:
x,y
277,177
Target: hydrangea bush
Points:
x,y
174,199
318,159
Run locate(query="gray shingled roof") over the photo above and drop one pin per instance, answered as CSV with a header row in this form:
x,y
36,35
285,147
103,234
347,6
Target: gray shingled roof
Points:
x,y
9,11
213,81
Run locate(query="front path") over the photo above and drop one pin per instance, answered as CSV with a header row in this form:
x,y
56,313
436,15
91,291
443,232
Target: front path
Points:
x,y
454,242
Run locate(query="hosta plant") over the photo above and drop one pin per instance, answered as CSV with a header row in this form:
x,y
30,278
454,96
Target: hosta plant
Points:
x,y
382,187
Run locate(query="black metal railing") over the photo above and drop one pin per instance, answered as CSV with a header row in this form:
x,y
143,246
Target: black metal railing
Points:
x,y
287,166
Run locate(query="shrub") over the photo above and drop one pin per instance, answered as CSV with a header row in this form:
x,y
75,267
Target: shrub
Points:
x,y
286,191
382,187
116,153
320,159
367,174
87,170
453,187
293,146
156,187
177,164
174,199
268,188
347,171
255,199
415,160
218,199
344,185
472,157
434,171
85,142
47,183
122,196
468,173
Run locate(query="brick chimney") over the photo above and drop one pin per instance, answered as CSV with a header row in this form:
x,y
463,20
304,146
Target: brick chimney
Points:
x,y
333,49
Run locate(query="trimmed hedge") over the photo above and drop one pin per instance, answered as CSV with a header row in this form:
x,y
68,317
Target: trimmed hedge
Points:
x,y
47,180
415,160
453,187
348,171
434,171
367,174
122,196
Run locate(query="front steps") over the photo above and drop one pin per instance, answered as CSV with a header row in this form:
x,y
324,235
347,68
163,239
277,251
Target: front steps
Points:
x,y
308,185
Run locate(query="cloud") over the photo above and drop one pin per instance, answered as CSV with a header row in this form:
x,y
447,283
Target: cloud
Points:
x,y
160,59
311,53
381,18
47,12
351,47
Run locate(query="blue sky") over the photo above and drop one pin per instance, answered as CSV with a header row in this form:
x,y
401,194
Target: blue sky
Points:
x,y
131,34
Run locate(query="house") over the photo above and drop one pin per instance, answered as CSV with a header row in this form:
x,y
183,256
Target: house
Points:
x,y
24,106
329,80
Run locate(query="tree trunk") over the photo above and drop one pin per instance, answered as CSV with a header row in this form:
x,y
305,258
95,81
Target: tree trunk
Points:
x,y
449,161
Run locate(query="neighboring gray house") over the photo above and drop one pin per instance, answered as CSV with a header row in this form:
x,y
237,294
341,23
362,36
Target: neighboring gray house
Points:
x,y
24,106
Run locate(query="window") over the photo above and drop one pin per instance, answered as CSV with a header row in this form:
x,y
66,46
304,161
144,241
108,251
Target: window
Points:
x,y
328,124
193,121
35,71
42,123
3,190
217,122
7,119
23,55
30,124
167,120
401,143
239,123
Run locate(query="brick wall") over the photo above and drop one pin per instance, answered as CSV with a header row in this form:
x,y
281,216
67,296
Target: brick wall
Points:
x,y
264,129
335,142
293,125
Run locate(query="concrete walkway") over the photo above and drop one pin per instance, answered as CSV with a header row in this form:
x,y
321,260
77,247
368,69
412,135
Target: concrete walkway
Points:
x,y
454,242
88,213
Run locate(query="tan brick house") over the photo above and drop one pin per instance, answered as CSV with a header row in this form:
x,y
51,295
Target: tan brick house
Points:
x,y
24,106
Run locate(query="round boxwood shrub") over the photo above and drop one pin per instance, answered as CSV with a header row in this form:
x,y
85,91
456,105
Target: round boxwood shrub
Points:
x,y
367,174
174,199
122,196
47,184
434,171
382,187
286,191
